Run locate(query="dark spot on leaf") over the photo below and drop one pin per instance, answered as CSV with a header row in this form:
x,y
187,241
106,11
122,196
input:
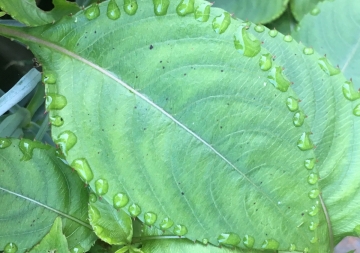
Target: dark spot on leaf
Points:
x,y
160,61
94,31
182,193
136,77
222,70
185,74
302,214
163,67
151,47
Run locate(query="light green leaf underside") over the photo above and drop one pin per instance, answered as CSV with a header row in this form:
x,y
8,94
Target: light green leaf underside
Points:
x,y
200,136
303,7
110,225
53,191
183,245
29,14
54,241
256,11
339,39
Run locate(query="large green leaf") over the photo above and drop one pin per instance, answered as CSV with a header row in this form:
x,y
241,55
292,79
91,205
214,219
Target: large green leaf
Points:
x,y
257,11
36,187
29,14
197,122
338,38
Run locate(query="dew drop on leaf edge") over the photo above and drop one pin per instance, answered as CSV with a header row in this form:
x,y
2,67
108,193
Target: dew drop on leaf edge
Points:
x,y
92,12
150,218
113,10
130,7
304,143
180,230
101,186
134,210
249,241
277,78
185,7
265,62
10,248
166,223
161,7
221,23
82,167
246,43
270,244
231,239
4,143
94,214
120,200
66,140
55,102
202,12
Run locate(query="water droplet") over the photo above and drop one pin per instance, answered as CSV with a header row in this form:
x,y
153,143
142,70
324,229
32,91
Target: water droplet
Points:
x,y
259,28
246,24
314,239
273,33
314,193
313,178
27,146
10,248
308,51
83,169
77,249
315,11
356,110
134,210
265,62
56,121
221,23
120,200
288,38
229,239
314,210
292,247
55,102
202,12
94,214
185,7
246,43
161,7
357,230
4,143
277,78
349,91
310,163
92,198
292,104
49,77
313,225
101,186
98,229
270,244
205,241
150,218
298,119
113,11
92,12
166,224
130,7
305,143
180,230
249,241
66,140
326,66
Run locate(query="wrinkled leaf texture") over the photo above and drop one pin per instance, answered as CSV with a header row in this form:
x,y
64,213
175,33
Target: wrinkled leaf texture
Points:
x,y
168,112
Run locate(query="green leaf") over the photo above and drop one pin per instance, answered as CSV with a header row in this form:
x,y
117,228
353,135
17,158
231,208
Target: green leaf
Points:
x,y
257,11
343,33
54,241
200,121
284,24
110,225
29,14
183,245
53,191
301,8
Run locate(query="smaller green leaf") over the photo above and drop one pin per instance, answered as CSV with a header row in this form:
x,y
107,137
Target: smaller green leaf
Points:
x,y
300,8
110,225
54,241
2,13
26,11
